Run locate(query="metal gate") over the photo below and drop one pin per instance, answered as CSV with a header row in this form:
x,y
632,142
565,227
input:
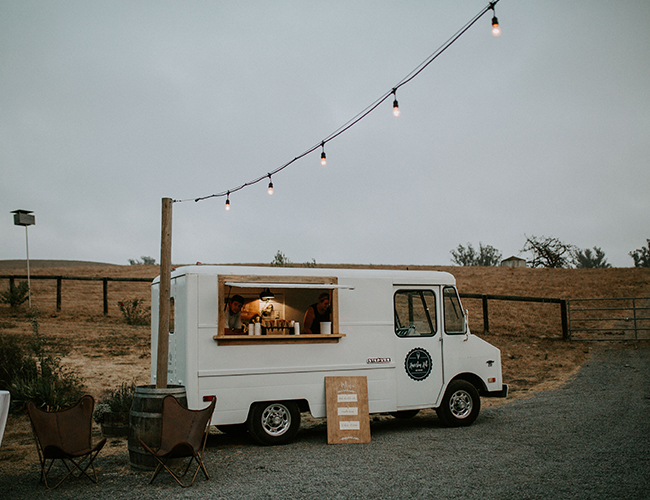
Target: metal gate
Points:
x,y
609,319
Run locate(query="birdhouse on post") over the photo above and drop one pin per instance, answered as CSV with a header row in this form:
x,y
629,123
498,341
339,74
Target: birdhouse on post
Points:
x,y
23,218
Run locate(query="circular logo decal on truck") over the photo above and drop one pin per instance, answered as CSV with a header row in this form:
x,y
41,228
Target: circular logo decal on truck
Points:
x,y
418,364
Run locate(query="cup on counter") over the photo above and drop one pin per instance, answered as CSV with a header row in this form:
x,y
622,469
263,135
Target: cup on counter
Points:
x,y
326,327
296,328
258,328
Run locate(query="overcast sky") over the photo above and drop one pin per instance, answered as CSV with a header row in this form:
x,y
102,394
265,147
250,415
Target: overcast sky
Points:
x,y
106,107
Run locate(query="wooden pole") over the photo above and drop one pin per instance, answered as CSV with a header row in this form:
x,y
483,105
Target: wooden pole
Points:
x,y
486,317
165,287
29,282
105,295
58,293
565,321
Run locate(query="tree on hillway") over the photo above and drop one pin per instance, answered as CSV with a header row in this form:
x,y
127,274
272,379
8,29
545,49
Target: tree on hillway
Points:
x,y
150,261
486,256
641,256
280,260
548,252
586,259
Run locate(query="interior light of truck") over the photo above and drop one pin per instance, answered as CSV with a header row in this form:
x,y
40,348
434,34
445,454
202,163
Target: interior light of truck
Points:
x,y
323,158
207,399
266,294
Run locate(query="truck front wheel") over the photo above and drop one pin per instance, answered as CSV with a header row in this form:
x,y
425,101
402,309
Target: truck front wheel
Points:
x,y
274,423
460,405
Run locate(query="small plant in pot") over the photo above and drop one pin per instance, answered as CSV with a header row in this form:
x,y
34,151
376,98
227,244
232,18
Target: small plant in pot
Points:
x,y
112,410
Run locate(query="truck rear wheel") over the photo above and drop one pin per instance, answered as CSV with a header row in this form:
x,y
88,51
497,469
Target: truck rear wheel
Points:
x,y
274,423
460,405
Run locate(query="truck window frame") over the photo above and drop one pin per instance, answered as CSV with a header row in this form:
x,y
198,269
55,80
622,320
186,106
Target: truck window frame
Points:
x,y
455,306
319,281
427,309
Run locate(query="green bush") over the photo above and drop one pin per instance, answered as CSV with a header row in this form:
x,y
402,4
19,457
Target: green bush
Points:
x,y
641,256
15,362
16,295
486,256
118,400
31,373
135,312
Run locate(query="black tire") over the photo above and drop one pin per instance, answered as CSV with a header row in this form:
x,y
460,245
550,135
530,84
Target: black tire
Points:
x,y
274,423
405,413
233,429
460,405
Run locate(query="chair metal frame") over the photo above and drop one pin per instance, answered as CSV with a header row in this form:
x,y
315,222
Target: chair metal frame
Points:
x,y
65,435
183,434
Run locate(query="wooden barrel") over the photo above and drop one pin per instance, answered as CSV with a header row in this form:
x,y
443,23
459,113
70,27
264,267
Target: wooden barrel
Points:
x,y
145,422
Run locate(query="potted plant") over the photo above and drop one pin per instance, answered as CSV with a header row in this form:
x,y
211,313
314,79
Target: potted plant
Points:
x,y
112,410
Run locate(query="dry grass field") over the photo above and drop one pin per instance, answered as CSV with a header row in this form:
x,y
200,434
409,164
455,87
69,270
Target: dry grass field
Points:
x,y
105,351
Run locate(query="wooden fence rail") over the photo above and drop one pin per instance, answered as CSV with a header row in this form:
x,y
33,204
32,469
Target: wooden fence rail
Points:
x,y
485,297
59,279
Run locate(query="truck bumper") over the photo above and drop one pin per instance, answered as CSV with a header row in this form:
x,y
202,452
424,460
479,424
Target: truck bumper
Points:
x,y
503,393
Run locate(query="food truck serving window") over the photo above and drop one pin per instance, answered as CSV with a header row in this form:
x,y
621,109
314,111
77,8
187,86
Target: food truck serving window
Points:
x,y
415,313
275,310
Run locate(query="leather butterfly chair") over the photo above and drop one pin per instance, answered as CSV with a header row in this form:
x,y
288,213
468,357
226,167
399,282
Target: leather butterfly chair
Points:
x,y
66,435
183,434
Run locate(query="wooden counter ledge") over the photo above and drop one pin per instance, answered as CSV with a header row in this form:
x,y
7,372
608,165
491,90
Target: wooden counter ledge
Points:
x,y
277,339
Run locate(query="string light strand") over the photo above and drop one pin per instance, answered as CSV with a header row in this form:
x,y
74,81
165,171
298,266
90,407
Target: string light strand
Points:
x,y
358,117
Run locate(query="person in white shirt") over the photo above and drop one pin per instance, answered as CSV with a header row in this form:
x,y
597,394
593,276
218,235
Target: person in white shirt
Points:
x,y
234,325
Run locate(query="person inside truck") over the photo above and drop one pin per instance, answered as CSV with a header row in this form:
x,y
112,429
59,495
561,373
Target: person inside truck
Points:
x,y
234,325
321,311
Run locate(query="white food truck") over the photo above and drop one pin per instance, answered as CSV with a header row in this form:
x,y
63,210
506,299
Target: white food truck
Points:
x,y
405,331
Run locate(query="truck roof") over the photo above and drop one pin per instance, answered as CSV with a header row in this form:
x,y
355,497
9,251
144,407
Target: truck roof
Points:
x,y
395,275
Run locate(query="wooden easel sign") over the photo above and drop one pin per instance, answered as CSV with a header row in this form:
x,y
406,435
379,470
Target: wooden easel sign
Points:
x,y
347,410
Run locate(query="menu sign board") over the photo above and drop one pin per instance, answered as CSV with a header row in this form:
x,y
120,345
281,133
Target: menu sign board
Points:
x,y
347,410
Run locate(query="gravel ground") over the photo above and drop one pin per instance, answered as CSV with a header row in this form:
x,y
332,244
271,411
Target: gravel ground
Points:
x,y
589,439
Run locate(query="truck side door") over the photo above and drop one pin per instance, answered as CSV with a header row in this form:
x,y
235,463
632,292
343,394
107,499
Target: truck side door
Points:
x,y
418,347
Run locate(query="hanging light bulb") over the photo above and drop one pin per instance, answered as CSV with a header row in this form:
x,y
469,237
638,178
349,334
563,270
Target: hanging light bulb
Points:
x,y
323,158
496,30
270,185
396,111
228,201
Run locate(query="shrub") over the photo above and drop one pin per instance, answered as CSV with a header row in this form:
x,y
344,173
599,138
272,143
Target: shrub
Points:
x,y
135,312
16,295
32,373
641,256
118,400
145,260
15,362
586,259
280,260
486,256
